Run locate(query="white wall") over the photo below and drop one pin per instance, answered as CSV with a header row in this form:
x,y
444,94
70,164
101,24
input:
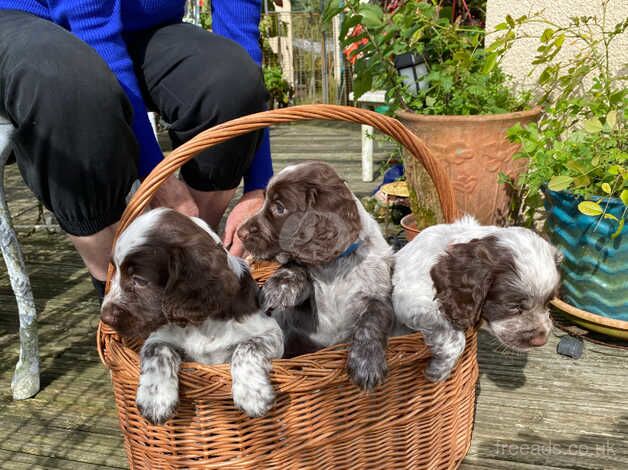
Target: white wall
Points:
x,y
518,60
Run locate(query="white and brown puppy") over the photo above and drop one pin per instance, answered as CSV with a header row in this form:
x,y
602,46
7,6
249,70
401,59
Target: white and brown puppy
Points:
x,y
452,277
176,286
335,283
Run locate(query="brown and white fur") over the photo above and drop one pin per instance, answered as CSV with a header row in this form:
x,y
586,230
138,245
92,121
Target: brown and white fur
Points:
x,y
452,277
176,286
323,295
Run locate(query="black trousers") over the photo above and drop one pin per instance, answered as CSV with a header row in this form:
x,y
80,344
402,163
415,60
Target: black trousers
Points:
x,y
73,142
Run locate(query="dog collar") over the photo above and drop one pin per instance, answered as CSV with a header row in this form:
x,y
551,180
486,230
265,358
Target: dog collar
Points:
x,y
351,248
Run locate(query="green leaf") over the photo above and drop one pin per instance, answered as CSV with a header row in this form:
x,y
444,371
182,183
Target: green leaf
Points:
x,y
501,27
611,119
624,197
595,161
489,64
362,84
416,36
372,15
547,35
529,146
558,43
510,21
560,182
332,8
495,45
429,101
590,208
576,166
617,97
606,188
608,215
620,227
614,170
348,23
581,181
592,126
546,74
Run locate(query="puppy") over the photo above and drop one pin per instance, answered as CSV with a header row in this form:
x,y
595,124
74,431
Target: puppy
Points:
x,y
453,276
334,285
177,286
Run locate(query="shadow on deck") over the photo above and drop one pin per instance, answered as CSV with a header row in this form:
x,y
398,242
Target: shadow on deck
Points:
x,y
537,411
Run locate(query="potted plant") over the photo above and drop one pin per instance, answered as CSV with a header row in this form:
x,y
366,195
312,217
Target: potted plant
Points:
x,y
461,107
279,89
578,157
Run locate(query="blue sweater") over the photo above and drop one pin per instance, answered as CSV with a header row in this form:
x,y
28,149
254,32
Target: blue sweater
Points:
x,y
239,20
102,24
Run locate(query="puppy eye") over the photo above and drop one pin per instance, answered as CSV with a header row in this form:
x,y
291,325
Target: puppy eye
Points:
x,y
278,208
516,309
139,281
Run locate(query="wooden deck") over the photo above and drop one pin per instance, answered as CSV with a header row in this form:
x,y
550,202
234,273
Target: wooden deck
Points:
x,y
536,411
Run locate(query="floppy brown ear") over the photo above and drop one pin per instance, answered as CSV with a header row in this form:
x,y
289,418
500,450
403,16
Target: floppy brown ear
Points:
x,y
320,236
464,275
199,283
329,226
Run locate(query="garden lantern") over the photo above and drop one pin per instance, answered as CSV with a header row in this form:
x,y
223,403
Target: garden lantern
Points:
x,y
412,69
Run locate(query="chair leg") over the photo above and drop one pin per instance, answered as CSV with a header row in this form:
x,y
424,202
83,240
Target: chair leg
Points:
x,y
25,381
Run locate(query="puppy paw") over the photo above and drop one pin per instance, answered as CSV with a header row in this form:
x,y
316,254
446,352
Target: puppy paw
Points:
x,y
277,293
366,365
254,400
437,371
157,401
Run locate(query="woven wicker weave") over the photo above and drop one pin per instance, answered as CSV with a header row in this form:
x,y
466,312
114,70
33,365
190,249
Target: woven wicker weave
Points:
x,y
320,419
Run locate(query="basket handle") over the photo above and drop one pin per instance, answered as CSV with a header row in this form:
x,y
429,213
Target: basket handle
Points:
x,y
246,124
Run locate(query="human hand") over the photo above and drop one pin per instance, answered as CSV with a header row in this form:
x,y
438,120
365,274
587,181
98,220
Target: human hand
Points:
x,y
247,206
173,193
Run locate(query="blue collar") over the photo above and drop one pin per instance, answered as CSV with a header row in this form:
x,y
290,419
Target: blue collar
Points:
x,y
351,248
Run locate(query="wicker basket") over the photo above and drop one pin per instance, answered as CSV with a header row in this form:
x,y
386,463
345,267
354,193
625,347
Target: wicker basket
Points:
x,y
320,419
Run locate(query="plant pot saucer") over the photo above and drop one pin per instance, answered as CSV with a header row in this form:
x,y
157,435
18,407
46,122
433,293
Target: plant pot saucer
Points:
x,y
396,188
591,321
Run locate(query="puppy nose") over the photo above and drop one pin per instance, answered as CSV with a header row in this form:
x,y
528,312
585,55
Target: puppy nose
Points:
x,y
111,313
246,231
243,233
539,339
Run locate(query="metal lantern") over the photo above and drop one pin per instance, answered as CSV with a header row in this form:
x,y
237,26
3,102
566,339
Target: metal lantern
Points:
x,y
412,68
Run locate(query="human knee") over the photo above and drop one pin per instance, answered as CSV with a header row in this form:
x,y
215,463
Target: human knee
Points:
x,y
237,87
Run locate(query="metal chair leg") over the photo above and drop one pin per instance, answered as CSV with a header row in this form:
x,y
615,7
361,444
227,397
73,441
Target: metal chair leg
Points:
x,y
25,381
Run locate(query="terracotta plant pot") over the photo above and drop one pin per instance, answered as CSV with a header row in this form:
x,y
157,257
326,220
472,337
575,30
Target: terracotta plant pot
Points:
x,y
473,150
409,227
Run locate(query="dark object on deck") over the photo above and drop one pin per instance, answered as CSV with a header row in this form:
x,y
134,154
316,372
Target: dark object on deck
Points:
x,y
570,346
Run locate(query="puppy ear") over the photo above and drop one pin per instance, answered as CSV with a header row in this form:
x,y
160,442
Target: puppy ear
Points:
x,y
327,227
317,237
464,275
200,284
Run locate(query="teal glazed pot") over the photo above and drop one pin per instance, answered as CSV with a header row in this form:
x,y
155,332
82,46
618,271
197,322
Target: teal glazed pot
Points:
x,y
595,266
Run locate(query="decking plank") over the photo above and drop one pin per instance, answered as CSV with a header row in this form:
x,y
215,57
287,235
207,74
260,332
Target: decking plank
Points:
x,y
24,461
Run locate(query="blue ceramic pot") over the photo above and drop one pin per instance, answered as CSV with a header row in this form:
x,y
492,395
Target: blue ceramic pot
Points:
x,y
595,268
